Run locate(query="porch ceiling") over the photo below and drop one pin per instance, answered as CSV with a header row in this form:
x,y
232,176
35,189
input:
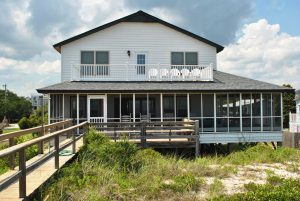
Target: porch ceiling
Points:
x,y
222,82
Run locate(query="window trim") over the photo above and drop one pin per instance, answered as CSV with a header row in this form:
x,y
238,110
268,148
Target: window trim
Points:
x,y
94,51
184,57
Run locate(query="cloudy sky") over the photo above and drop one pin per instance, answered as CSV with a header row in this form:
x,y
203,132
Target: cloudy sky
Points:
x,y
261,37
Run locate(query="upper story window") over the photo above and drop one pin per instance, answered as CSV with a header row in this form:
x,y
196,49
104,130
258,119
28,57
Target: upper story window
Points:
x,y
94,57
96,63
184,58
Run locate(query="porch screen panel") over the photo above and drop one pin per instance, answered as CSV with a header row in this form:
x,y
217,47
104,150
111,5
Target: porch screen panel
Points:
x,y
113,107
222,113
195,108
276,111
266,112
82,107
168,107
154,107
126,107
181,106
141,107
208,112
246,112
56,108
256,116
234,112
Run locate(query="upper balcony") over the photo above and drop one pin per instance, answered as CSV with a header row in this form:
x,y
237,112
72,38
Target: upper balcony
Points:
x,y
141,72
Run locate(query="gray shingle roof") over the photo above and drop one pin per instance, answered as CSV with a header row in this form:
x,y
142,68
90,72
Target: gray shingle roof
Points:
x,y
222,82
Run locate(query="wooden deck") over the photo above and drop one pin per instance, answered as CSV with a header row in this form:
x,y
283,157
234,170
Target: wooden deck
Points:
x,y
37,177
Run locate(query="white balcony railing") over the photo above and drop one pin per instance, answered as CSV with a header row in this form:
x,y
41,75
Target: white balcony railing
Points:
x,y
294,122
136,72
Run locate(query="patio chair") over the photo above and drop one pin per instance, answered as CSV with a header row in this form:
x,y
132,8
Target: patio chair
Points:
x,y
164,73
196,74
185,73
152,74
145,117
174,73
126,118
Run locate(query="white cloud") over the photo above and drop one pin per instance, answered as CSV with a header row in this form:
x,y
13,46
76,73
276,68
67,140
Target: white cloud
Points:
x,y
264,53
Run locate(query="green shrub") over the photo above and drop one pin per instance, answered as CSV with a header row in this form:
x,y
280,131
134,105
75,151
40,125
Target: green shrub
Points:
x,y
24,123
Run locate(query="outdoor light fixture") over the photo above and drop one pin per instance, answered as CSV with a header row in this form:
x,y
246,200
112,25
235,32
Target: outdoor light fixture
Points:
x,y
128,53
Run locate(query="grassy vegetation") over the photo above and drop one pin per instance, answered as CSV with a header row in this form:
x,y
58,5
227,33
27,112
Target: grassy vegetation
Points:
x,y
5,130
276,189
106,170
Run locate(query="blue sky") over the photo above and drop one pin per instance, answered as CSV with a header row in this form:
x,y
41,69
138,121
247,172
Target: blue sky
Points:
x,y
261,37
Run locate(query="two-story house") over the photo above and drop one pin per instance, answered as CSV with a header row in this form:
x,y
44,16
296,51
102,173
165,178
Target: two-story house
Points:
x,y
140,67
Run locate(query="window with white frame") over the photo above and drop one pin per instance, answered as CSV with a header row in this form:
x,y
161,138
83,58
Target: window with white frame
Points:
x,y
94,62
184,58
141,63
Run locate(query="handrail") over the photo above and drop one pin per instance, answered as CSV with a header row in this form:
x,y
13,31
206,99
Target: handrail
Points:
x,y
20,148
34,129
29,143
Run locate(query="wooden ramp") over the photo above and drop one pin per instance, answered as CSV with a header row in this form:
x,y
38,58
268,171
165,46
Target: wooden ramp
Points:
x,y
22,181
37,177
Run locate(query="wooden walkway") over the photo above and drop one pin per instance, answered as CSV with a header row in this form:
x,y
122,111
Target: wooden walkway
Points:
x,y
37,177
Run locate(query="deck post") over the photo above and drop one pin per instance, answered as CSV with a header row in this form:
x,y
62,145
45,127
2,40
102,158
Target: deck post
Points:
x,y
197,147
11,156
143,134
161,107
22,178
77,111
56,155
73,143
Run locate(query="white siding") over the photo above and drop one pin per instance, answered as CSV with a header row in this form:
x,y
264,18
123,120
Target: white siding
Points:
x,y
157,40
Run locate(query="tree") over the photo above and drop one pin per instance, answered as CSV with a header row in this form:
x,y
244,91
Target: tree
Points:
x,y
289,105
16,106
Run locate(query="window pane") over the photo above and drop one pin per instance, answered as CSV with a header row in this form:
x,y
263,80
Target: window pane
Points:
x,y
102,58
141,59
255,104
208,105
96,107
87,57
221,105
127,106
177,58
266,104
195,105
276,106
246,105
191,58
234,105
181,106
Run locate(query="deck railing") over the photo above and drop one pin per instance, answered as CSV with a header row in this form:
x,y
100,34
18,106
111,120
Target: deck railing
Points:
x,y
294,123
139,72
40,130
20,149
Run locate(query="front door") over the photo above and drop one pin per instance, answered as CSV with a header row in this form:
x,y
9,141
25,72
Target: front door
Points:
x,y
141,63
97,108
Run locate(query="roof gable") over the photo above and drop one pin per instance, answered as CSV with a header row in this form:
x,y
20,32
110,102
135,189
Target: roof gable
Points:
x,y
139,16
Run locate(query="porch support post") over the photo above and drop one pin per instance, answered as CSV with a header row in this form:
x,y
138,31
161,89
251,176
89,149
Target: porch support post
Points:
x,y
271,111
241,120
251,102
120,112
175,107
161,107
281,111
215,113
49,108
77,110
188,105
63,107
261,112
133,106
148,116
